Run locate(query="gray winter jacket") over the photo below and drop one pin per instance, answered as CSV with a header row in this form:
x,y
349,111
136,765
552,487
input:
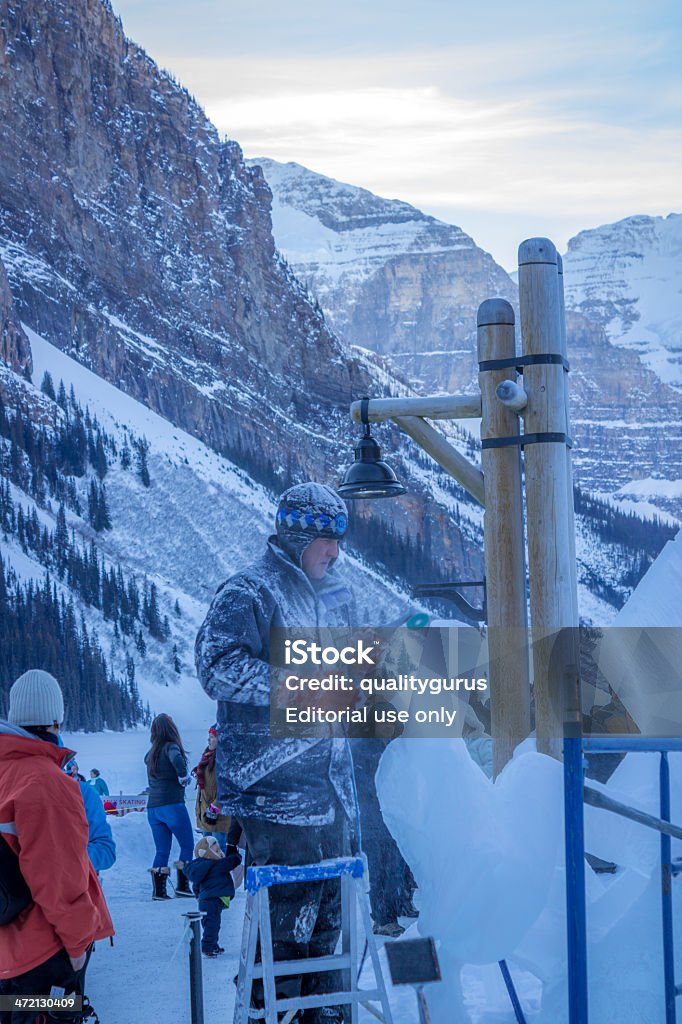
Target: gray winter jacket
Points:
x,y
294,780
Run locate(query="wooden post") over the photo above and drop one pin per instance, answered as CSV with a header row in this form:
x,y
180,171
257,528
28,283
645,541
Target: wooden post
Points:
x,y
505,565
553,600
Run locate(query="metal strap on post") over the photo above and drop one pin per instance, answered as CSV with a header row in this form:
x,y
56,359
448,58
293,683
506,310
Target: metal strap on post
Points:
x,y
547,437
518,362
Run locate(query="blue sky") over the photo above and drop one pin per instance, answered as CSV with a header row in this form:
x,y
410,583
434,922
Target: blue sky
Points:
x,y
509,119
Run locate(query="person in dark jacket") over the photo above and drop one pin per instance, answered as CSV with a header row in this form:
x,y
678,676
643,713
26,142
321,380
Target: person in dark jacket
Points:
x,y
211,880
294,796
168,775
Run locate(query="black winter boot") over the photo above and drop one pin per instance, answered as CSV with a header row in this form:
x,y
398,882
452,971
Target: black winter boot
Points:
x,y
159,880
182,887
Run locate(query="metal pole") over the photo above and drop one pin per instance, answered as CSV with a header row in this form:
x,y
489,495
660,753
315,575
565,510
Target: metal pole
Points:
x,y
606,803
516,1004
196,981
667,898
576,917
424,1016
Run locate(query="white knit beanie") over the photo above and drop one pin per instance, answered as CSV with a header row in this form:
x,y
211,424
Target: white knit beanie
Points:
x,y
36,699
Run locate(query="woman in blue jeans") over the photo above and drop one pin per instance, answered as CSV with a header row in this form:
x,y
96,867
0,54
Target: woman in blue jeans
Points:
x,y
168,774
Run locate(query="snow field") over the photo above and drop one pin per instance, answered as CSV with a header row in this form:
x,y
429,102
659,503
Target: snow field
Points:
x,y
200,521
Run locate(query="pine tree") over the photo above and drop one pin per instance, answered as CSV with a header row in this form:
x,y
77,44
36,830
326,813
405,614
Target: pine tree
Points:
x,y
61,541
104,520
98,507
177,667
126,457
47,386
140,644
93,504
151,615
142,467
176,608
100,459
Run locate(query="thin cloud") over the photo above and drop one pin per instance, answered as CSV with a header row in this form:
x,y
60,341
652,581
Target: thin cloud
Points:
x,y
569,135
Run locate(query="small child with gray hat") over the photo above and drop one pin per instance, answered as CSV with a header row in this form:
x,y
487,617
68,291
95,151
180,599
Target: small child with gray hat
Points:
x,y
212,883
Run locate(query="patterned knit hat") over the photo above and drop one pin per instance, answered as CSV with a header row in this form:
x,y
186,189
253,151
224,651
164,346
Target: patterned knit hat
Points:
x,y
36,699
306,512
208,847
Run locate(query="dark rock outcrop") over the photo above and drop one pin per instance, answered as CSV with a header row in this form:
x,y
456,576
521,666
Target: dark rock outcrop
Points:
x,y
15,349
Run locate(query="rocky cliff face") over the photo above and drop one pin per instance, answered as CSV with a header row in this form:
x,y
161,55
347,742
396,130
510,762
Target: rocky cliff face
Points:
x,y
15,349
396,281
388,277
140,243
627,278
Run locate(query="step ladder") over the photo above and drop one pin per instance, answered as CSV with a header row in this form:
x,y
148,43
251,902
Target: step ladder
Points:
x,y
259,881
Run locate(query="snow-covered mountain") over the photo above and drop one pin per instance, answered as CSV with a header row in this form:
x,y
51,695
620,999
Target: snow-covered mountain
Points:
x,y
388,277
391,279
627,277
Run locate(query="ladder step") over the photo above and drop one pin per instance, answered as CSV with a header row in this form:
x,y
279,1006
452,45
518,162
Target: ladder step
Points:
x,y
327,999
281,968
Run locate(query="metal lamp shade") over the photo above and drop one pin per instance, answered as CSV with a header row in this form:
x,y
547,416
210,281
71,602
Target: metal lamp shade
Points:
x,y
369,476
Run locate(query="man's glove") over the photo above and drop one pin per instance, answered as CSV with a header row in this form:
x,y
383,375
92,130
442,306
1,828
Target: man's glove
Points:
x,y
185,780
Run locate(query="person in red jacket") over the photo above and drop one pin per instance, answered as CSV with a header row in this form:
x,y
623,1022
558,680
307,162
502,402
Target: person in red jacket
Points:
x,y
42,818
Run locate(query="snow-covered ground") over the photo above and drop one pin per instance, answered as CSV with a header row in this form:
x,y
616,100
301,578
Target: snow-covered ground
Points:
x,y
489,861
144,976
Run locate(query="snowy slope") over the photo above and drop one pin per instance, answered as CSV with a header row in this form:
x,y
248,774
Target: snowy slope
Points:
x,y
627,277
342,231
201,520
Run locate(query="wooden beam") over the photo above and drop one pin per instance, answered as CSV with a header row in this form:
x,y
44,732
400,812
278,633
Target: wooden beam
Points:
x,y
505,558
439,407
466,474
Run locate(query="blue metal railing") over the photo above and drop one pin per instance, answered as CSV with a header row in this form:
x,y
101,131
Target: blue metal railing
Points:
x,y
575,746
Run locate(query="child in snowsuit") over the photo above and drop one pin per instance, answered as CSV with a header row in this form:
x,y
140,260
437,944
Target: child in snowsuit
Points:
x,y
212,883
